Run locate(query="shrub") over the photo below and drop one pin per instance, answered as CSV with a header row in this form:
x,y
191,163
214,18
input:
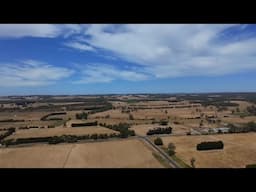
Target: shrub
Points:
x,y
210,145
158,141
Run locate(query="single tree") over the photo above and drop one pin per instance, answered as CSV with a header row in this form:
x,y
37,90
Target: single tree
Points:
x,y
158,141
192,161
131,117
171,149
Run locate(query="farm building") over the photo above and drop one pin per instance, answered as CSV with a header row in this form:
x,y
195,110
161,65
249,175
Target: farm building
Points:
x,y
216,130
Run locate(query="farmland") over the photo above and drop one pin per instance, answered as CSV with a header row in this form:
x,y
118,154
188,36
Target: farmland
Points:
x,y
90,155
239,150
112,130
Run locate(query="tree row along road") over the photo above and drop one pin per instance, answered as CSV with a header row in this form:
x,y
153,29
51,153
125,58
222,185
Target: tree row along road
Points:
x,y
171,162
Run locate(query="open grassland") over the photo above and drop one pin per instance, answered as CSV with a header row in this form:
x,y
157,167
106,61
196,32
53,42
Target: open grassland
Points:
x,y
22,115
130,153
48,132
115,114
239,150
237,119
242,104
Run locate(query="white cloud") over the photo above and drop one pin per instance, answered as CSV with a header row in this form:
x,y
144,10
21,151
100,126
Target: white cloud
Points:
x,y
171,50
161,50
40,30
31,73
103,73
79,46
29,30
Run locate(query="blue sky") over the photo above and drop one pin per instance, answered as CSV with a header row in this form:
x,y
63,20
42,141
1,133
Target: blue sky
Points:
x,y
138,58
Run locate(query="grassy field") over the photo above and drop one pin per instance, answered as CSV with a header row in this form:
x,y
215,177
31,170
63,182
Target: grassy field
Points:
x,y
113,154
239,150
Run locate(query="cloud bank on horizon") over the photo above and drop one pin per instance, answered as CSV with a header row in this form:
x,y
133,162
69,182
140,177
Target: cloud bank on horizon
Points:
x,y
129,52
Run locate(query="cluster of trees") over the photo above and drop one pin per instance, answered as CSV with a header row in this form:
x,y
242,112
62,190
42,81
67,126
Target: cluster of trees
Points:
x,y
158,141
106,107
82,115
160,130
44,118
209,145
248,127
95,123
123,128
7,133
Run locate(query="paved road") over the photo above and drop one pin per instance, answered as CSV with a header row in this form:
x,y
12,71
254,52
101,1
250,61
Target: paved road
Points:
x,y
171,162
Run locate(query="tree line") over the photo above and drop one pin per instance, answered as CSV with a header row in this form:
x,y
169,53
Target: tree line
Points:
x,y
123,128
209,145
44,118
160,130
7,133
95,123
60,139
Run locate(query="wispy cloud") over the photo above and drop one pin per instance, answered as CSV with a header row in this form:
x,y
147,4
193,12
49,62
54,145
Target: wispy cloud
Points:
x,y
31,73
160,50
40,30
176,50
28,30
79,46
103,73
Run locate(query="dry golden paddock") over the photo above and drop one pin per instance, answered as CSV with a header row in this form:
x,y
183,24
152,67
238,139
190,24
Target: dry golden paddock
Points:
x,y
185,115
130,153
239,150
